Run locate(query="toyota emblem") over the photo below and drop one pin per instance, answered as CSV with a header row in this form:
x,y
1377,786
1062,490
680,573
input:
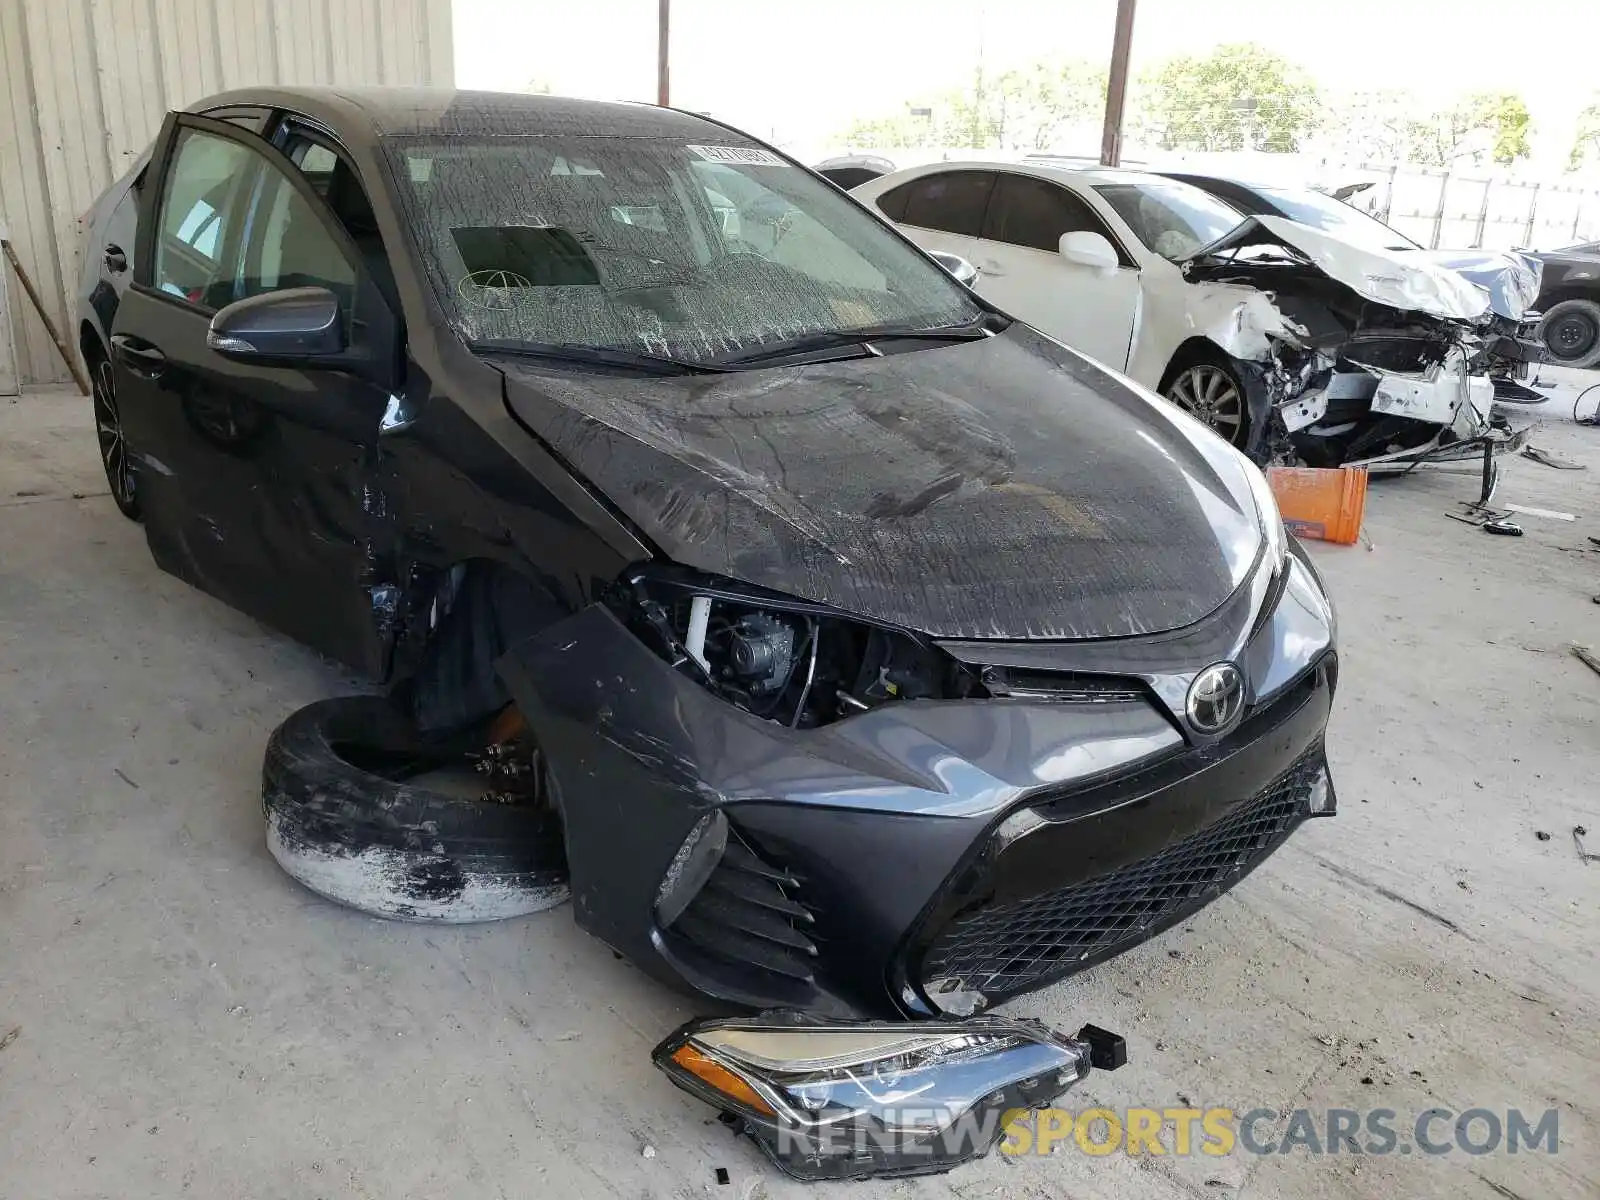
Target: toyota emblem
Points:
x,y
1216,698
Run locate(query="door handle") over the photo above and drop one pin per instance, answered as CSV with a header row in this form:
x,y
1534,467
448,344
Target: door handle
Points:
x,y
116,260
138,355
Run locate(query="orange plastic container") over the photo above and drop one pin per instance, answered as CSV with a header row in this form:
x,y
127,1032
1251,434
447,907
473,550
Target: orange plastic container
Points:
x,y
1321,503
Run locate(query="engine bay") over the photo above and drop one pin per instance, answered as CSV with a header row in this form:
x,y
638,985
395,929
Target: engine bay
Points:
x,y
794,663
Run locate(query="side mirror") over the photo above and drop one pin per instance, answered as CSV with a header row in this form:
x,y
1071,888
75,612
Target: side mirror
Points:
x,y
1089,250
301,326
960,269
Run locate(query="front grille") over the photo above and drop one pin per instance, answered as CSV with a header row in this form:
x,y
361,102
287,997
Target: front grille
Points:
x,y
999,950
748,915
1065,687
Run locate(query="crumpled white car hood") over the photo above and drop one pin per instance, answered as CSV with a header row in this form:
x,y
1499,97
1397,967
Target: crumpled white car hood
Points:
x,y
1511,277
1396,279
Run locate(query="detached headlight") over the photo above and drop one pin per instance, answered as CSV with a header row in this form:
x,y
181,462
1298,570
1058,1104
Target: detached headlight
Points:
x,y
1267,512
846,1101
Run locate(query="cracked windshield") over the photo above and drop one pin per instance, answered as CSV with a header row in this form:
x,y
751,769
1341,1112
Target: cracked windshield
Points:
x,y
657,246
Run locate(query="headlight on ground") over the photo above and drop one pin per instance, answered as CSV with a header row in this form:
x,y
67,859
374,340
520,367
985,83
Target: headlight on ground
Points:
x,y
845,1101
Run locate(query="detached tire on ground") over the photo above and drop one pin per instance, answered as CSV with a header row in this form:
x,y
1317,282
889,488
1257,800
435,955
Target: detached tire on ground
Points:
x,y
391,847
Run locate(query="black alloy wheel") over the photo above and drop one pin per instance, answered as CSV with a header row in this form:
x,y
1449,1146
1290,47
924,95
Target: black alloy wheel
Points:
x,y
113,446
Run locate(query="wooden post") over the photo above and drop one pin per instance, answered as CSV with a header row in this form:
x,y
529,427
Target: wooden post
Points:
x,y
1117,85
663,88
49,325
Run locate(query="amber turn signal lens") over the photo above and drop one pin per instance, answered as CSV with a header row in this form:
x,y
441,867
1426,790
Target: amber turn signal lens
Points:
x,y
712,1073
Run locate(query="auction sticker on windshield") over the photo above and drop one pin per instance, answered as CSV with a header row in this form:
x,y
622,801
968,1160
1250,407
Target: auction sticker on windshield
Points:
x,y
738,156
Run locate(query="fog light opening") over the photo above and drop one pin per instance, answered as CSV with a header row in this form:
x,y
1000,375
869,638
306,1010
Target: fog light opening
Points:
x,y
691,866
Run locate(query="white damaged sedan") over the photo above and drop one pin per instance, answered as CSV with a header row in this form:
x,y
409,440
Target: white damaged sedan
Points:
x,y
1290,342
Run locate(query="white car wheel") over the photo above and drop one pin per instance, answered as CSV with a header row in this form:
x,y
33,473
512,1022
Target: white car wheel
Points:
x,y
1211,395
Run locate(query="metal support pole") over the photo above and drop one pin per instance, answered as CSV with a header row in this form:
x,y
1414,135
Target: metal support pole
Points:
x,y
1388,196
1438,213
1483,215
1117,85
44,317
1533,213
663,91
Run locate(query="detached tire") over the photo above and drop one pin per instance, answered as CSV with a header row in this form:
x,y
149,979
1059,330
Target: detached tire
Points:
x,y
1570,332
392,848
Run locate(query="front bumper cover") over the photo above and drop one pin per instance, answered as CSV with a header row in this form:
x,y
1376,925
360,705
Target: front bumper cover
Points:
x,y
874,867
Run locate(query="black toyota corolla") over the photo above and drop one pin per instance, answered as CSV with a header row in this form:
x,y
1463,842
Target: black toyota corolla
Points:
x,y
886,657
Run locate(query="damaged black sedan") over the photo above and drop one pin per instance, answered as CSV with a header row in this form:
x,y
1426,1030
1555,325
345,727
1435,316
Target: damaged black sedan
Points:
x,y
884,658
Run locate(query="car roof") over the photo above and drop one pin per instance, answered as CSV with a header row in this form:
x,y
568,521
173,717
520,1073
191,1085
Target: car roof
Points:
x,y
1036,166
384,111
872,161
1244,181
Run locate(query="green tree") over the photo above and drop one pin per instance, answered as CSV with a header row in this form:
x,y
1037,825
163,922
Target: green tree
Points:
x,y
1586,143
1030,108
1505,115
952,118
1395,126
1484,127
1040,105
1376,126
1239,97
898,129
1447,137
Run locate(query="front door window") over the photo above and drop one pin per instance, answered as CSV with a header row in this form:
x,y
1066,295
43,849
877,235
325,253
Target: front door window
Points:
x,y
232,225
201,213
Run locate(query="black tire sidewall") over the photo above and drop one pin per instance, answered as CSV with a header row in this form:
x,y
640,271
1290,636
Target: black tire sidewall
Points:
x,y
1586,311
309,788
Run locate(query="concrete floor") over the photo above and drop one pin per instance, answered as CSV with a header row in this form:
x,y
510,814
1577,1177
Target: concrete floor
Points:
x,y
191,1022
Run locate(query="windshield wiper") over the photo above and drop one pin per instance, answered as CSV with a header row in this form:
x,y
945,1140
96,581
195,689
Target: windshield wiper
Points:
x,y
595,356
979,327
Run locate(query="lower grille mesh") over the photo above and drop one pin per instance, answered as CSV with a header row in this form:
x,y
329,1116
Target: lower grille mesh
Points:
x,y
1001,950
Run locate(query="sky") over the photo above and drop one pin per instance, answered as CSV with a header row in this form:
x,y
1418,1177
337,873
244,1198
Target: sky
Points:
x,y
798,73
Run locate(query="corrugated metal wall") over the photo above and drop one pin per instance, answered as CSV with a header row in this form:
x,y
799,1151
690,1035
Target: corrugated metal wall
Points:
x,y
84,85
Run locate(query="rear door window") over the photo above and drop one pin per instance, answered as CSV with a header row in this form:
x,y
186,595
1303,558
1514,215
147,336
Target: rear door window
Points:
x,y
951,201
292,247
892,203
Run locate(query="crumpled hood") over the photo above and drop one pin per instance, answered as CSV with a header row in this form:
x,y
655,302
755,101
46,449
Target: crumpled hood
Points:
x,y
1511,278
1003,488
1399,279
